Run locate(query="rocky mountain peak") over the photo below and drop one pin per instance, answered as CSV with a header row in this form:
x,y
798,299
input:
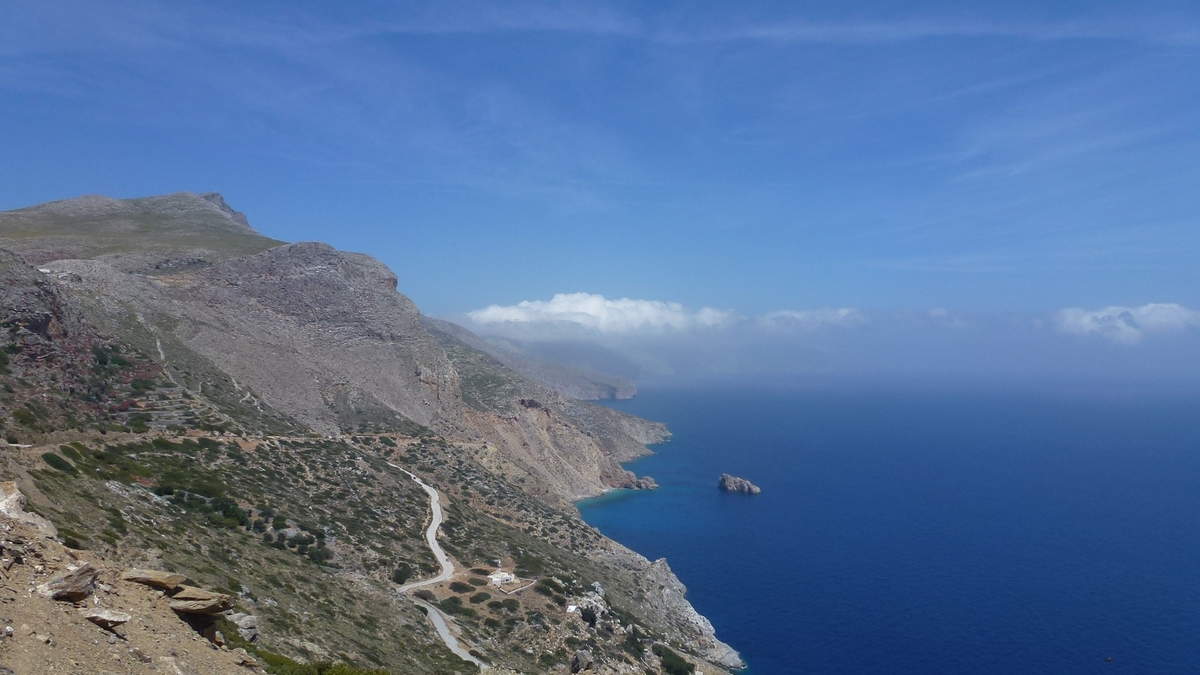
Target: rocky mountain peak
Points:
x,y
141,234
216,199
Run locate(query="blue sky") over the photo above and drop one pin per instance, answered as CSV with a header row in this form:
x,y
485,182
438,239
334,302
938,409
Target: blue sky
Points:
x,y
749,157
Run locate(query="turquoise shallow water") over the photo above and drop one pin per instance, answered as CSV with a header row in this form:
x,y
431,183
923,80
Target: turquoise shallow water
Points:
x,y
934,530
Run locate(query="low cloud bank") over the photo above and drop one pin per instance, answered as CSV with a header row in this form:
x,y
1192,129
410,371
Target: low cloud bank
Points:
x,y
1128,325
647,338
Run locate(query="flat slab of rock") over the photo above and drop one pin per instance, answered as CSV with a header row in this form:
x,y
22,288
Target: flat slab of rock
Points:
x,y
74,584
106,618
167,581
730,483
192,600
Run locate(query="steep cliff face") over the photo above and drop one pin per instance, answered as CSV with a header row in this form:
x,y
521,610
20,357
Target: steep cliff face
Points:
x,y
227,331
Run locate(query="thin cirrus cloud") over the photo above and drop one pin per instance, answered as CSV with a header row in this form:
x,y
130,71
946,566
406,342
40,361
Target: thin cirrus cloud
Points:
x,y
812,319
603,315
1127,325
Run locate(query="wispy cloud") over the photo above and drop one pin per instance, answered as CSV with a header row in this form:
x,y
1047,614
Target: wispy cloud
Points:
x,y
812,319
907,30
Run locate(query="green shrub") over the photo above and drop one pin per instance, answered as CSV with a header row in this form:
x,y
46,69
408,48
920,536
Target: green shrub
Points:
x,y
480,597
277,664
59,463
460,587
401,574
453,605
672,663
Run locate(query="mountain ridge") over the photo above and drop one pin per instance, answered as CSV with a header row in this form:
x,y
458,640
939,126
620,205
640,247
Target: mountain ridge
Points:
x,y
274,343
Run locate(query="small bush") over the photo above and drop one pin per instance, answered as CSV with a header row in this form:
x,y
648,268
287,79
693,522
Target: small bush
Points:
x,y
142,385
480,597
460,587
24,417
401,574
453,605
59,463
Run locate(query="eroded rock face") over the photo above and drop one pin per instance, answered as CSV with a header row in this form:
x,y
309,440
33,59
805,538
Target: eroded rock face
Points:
x,y
735,484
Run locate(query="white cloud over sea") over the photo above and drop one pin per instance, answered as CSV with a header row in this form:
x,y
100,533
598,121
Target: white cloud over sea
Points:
x,y
1127,325
604,315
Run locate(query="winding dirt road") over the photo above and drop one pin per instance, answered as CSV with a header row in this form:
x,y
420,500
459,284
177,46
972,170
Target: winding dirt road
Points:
x,y
441,624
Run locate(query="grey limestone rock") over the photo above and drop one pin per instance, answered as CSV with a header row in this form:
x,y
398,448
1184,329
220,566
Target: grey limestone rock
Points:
x,y
730,483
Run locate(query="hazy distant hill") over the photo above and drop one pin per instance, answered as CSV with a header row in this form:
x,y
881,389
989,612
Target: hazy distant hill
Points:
x,y
569,380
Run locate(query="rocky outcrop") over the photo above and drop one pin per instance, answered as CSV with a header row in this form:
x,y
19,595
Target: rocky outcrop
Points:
x,y
582,661
12,507
166,581
642,483
247,625
737,485
192,600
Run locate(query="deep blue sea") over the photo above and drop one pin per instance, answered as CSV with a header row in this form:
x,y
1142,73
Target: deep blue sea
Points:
x,y
937,529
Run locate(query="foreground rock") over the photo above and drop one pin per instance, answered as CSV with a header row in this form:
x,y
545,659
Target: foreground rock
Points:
x,y
39,634
106,618
74,584
735,484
